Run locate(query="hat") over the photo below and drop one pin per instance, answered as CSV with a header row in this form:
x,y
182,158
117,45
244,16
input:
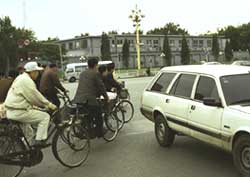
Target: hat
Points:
x,y
32,66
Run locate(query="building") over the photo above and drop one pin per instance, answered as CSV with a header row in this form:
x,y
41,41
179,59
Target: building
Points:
x,y
80,48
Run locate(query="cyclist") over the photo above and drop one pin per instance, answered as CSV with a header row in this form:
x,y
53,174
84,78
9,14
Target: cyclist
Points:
x,y
112,84
50,83
90,87
21,98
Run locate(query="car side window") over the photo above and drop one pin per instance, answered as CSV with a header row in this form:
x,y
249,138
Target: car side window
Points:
x,y
163,82
183,86
206,87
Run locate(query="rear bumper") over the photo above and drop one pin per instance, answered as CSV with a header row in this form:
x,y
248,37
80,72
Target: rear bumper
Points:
x,y
148,114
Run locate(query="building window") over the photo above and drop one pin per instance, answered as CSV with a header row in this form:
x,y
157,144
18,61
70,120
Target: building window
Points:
x,y
209,43
84,44
201,43
113,41
180,43
149,42
195,43
70,46
156,42
171,42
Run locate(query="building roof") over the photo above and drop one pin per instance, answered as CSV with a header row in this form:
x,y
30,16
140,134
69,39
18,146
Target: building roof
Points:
x,y
133,35
213,70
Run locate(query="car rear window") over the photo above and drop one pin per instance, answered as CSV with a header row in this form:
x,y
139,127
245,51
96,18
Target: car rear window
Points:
x,y
163,82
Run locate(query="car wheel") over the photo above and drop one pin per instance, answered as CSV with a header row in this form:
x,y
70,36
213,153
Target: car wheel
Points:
x,y
72,79
241,155
164,135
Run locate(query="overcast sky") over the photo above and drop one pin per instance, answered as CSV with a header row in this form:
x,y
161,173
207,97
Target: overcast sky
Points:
x,y
68,18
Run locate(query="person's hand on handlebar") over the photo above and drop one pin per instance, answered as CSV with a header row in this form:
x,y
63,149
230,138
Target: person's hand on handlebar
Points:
x,y
52,107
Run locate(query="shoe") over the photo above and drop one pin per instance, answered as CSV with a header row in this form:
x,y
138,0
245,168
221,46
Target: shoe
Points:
x,y
41,144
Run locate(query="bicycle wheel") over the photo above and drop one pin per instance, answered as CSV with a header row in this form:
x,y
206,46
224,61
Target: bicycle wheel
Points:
x,y
127,108
111,127
120,116
10,145
71,145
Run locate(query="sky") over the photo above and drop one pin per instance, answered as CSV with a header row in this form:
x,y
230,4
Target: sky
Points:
x,y
68,18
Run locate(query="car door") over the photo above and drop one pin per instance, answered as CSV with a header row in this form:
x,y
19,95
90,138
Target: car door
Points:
x,y
153,97
177,102
205,121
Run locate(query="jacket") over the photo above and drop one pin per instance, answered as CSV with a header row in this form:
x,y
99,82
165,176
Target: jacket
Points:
x,y
23,94
50,82
89,88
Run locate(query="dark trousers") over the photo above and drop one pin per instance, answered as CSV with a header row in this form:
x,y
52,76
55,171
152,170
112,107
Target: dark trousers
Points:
x,y
52,97
95,120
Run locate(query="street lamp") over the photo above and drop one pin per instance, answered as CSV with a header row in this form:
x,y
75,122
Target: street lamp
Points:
x,y
136,17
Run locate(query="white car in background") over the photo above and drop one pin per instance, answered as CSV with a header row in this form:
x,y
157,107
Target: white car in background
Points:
x,y
208,102
241,63
212,63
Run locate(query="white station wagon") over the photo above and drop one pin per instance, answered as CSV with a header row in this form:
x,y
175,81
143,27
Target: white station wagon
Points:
x,y
207,102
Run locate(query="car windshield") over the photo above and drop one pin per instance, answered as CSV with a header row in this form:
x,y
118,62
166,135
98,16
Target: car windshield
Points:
x,y
236,88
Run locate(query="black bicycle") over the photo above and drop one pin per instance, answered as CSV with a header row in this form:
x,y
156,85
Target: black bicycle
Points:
x,y
16,152
80,114
123,107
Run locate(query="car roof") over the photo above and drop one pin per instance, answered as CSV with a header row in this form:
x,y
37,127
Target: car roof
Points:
x,y
213,70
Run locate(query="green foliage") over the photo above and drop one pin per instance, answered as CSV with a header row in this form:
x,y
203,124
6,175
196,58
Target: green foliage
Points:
x,y
228,51
239,36
125,53
185,53
167,52
215,47
169,28
105,48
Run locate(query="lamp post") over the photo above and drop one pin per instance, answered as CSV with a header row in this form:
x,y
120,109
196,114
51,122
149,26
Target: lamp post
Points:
x,y
136,17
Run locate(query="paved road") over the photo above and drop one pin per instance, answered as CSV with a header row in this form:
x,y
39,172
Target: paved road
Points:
x,y
135,153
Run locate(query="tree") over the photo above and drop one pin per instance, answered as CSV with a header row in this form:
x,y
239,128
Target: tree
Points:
x,y
105,48
125,53
185,53
169,28
228,51
215,47
167,52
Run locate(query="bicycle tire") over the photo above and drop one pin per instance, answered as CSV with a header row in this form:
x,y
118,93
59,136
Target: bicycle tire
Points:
x,y
120,116
112,130
7,145
66,138
127,108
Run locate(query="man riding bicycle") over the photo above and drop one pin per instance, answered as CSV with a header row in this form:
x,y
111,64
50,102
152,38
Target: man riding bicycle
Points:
x,y
21,99
91,87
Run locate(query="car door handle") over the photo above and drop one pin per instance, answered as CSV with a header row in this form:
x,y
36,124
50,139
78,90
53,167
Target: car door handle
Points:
x,y
167,100
193,107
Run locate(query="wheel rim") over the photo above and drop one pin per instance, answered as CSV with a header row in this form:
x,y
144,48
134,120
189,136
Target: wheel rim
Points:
x,y
161,131
245,157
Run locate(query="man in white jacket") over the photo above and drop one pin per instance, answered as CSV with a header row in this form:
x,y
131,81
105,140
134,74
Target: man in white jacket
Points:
x,y
21,98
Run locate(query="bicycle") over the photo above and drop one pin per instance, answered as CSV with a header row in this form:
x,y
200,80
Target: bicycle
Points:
x,y
16,152
123,105
80,113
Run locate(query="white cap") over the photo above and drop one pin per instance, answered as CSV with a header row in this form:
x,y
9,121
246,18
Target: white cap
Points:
x,y
32,66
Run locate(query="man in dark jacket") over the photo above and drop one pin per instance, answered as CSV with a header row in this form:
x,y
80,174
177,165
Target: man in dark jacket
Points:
x,y
50,83
111,82
90,87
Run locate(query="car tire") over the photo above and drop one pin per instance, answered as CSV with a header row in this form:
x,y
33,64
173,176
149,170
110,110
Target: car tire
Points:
x,y
164,135
72,79
241,155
